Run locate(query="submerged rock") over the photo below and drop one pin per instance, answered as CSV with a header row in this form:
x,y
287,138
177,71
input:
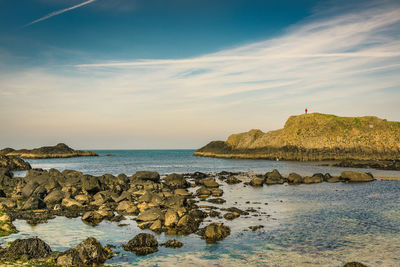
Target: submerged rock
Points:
x,y
142,244
88,252
172,244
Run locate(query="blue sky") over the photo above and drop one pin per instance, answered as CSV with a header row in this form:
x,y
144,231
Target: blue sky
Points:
x,y
177,74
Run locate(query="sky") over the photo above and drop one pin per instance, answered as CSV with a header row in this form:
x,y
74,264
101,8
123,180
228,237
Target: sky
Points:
x,y
158,74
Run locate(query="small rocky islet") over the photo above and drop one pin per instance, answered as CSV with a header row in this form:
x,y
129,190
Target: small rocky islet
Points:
x,y
175,204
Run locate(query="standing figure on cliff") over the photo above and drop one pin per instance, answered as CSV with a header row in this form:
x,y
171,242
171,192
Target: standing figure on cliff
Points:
x,y
306,110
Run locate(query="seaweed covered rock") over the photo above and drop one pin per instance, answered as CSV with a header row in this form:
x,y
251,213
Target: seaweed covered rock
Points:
x,y
30,248
142,244
172,244
88,252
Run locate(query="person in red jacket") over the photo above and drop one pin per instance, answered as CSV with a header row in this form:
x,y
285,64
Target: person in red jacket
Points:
x,y
306,110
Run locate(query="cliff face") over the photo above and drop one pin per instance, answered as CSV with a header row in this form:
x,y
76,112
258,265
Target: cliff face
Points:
x,y
315,137
58,151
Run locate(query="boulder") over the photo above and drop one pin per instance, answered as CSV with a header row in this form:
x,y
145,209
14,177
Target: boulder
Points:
x,y
146,175
203,192
294,178
90,184
182,192
55,197
176,181
70,203
29,188
92,218
355,176
316,178
83,199
151,214
231,215
142,244
257,181
30,248
33,203
88,253
209,182
274,177
171,218
215,232
217,192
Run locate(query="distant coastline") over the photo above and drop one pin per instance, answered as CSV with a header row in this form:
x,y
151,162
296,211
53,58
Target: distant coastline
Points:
x,y
314,137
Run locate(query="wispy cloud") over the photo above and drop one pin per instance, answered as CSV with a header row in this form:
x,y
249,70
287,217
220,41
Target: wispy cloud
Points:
x,y
58,12
348,60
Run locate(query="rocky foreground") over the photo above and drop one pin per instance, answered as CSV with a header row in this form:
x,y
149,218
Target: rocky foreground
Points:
x,y
315,137
174,204
57,151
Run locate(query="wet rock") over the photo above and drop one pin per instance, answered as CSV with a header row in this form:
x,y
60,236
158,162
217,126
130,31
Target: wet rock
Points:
x,y
182,192
92,218
217,192
256,227
217,200
127,207
146,175
316,178
354,264
234,209
176,181
70,203
30,248
90,184
33,203
156,226
354,176
151,214
142,244
83,199
88,253
231,215
257,181
274,177
171,218
55,197
294,178
203,192
233,180
172,244
208,182
29,188
214,213
215,232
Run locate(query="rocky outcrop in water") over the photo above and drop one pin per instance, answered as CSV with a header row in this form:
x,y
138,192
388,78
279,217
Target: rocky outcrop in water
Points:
x,y
30,248
373,164
142,244
314,137
58,151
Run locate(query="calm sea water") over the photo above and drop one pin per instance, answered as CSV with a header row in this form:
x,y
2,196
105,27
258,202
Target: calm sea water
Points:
x,y
181,161
305,225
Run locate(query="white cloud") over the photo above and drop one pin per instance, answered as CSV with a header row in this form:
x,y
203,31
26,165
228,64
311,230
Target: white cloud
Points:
x,y
335,65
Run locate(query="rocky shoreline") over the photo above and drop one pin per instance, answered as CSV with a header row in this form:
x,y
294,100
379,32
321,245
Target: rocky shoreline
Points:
x,y
176,204
58,151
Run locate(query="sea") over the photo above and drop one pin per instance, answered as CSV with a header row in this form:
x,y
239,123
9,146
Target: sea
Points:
x,y
303,225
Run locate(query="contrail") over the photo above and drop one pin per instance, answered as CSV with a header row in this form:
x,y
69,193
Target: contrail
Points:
x,y
58,12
